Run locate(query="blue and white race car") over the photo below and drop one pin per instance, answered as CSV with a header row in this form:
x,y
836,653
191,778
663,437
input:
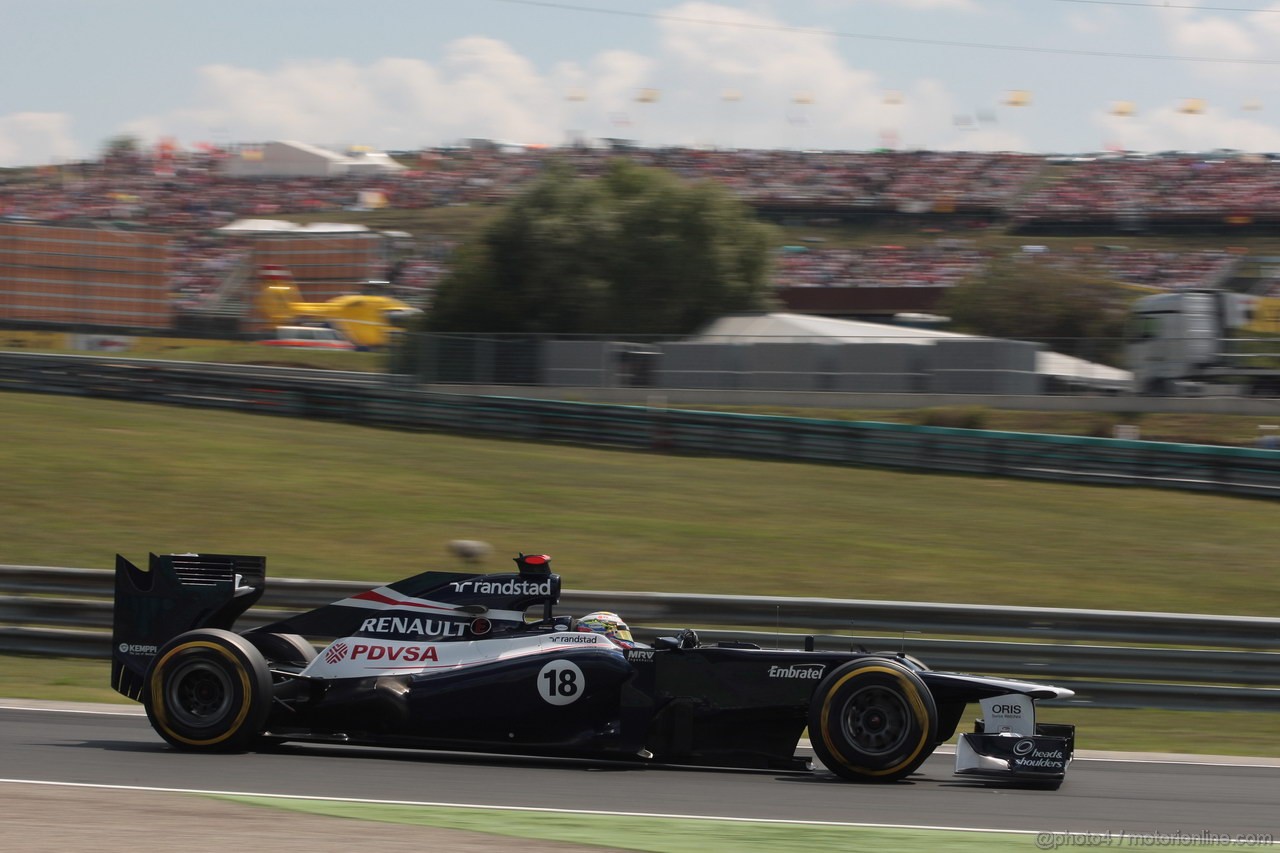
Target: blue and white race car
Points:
x,y
479,662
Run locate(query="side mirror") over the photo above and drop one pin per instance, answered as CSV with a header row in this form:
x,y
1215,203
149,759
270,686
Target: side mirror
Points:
x,y
686,639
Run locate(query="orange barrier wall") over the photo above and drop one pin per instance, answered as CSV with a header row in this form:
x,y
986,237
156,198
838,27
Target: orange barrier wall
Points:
x,y
323,266
90,276
108,277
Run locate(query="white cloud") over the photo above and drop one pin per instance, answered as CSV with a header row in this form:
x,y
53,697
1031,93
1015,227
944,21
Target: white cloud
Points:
x,y
1205,35
489,86
1266,22
796,89
957,5
1166,129
480,88
608,88
793,89
1092,21
36,139
1193,34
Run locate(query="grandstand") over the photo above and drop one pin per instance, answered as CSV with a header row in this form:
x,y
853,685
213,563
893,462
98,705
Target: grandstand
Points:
x,y
125,243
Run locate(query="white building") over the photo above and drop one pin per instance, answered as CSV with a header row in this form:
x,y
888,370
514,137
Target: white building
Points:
x,y
299,160
779,328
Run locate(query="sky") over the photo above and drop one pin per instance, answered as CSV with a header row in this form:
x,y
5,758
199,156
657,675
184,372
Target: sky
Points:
x,y
1040,76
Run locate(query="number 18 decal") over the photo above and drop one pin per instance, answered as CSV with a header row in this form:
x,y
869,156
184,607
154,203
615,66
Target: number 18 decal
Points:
x,y
561,682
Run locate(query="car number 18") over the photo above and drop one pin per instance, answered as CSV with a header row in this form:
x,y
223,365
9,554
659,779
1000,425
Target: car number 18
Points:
x,y
561,682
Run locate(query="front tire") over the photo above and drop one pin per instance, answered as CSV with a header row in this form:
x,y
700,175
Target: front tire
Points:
x,y
208,690
873,720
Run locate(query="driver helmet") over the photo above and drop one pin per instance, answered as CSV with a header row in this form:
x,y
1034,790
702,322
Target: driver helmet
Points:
x,y
609,624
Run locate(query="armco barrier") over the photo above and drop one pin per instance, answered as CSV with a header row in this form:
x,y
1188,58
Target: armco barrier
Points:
x,y
379,401
67,612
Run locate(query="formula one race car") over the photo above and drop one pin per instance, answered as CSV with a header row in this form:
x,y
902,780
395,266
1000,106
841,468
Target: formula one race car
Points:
x,y
476,662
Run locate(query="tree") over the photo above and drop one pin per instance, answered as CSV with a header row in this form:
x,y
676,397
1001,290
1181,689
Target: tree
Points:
x,y
122,154
1022,297
121,146
637,251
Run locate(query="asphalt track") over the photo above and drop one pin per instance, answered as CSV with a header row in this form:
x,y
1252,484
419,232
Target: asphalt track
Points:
x,y
1134,796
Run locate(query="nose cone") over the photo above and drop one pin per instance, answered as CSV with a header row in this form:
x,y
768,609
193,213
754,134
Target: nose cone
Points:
x,y
402,316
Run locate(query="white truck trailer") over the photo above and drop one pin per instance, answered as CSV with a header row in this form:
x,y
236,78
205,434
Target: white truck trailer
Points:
x,y
1189,341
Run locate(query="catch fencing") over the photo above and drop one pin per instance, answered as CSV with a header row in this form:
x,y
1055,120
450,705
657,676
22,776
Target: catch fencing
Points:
x,y
1111,658
390,401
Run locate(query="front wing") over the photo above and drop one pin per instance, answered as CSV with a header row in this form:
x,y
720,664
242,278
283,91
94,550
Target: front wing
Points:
x,y
1008,744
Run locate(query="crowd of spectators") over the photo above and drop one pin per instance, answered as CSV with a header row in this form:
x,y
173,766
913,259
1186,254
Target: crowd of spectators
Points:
x,y
947,266
1149,269
199,266
192,193
1169,188
879,266
919,181
414,279
190,197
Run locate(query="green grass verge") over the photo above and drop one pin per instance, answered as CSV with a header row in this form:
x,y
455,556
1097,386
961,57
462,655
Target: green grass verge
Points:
x,y
87,478
58,680
1130,730
657,835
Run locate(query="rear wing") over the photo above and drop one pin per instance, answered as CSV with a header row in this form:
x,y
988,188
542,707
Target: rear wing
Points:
x,y
175,594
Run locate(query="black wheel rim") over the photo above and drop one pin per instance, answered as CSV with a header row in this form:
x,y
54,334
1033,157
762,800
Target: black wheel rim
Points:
x,y
199,694
876,720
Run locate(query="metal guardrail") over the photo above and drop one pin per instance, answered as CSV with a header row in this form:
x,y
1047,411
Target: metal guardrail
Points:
x,y
379,401
818,615
67,612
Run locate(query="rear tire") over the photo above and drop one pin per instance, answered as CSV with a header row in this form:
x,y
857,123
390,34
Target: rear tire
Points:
x,y
873,720
283,648
208,690
290,650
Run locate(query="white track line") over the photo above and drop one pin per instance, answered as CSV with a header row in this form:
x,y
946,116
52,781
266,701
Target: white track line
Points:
x,y
62,708
537,809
